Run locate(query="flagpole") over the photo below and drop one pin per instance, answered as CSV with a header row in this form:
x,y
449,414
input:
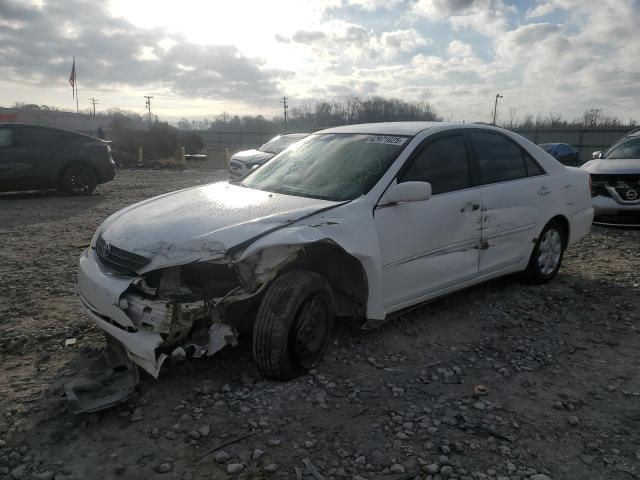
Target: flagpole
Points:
x,y
76,85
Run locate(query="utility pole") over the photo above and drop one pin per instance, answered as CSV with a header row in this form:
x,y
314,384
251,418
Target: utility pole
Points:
x,y
94,101
286,107
495,107
148,105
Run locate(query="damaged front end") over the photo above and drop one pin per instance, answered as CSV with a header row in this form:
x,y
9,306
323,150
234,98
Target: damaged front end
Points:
x,y
192,309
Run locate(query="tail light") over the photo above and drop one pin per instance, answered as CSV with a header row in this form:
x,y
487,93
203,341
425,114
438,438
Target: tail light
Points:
x,y
593,194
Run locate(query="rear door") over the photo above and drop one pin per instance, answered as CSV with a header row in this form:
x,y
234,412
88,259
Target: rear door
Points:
x,y
6,157
516,197
431,245
38,155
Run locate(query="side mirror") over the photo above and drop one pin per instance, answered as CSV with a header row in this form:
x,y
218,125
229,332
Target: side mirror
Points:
x,y
406,192
596,155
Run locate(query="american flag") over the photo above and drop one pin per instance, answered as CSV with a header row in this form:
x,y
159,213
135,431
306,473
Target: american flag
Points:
x,y
72,79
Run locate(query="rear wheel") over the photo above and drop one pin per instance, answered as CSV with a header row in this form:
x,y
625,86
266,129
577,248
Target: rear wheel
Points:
x,y
79,179
546,257
293,325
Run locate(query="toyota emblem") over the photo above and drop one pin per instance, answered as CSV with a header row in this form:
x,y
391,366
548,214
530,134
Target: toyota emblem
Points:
x,y
104,249
631,194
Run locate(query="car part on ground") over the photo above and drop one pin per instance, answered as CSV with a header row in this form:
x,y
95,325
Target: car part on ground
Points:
x,y
40,158
110,378
615,182
243,163
309,236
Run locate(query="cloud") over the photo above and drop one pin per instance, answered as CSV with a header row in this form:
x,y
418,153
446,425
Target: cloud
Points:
x,y
373,5
340,40
489,17
38,42
541,10
308,37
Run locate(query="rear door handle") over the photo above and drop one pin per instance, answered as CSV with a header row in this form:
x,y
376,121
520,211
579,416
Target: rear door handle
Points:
x,y
543,190
470,206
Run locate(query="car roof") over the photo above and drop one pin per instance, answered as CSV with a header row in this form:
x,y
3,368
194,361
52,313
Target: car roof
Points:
x,y
385,128
405,128
301,135
53,129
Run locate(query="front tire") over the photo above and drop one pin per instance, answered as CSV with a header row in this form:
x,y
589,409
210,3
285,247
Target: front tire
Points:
x,y
79,179
293,326
547,255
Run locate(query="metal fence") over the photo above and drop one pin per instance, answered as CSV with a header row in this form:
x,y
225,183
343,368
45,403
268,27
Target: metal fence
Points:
x,y
76,122
586,140
234,140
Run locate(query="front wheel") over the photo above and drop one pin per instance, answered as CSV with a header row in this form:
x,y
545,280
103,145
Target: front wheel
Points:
x,y
79,179
293,326
546,257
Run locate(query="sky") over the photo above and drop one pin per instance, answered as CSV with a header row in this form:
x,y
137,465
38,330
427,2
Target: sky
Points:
x,y
199,58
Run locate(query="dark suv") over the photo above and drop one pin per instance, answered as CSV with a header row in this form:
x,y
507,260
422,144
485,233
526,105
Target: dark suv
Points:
x,y
36,158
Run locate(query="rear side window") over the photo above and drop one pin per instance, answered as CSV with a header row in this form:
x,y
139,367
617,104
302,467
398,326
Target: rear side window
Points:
x,y
443,164
533,169
5,137
501,159
28,137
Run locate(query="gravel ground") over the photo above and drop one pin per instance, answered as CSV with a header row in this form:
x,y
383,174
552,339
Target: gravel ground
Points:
x,y
560,363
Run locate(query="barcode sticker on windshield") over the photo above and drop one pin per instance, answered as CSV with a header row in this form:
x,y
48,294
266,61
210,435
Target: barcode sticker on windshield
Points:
x,y
386,140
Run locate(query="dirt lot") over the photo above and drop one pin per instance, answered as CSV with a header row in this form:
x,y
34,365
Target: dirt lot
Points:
x,y
561,363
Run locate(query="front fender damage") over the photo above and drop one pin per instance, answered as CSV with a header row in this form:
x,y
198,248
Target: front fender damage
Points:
x,y
168,313
196,299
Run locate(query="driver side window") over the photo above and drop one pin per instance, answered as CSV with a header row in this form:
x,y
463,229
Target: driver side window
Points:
x,y
443,163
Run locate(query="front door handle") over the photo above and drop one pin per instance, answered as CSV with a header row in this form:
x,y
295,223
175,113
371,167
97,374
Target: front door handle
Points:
x,y
543,190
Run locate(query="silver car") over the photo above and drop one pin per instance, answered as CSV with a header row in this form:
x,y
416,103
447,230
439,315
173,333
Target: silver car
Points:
x,y
243,163
615,182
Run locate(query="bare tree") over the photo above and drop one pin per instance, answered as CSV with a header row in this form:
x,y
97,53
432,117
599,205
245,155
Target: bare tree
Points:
x,y
512,116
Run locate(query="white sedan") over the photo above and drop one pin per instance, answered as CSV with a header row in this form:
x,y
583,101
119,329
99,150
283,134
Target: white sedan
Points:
x,y
359,221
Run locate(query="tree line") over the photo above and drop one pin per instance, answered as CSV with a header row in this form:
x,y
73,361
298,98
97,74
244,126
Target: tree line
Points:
x,y
591,118
317,114
313,115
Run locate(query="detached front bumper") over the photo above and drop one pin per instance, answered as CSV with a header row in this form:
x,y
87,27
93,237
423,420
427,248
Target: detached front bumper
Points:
x,y
100,295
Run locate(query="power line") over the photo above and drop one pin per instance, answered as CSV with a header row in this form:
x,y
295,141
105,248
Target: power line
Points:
x,y
93,102
285,107
148,105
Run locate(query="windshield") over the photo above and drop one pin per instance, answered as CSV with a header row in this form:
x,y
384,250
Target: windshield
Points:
x,y
627,149
279,143
330,166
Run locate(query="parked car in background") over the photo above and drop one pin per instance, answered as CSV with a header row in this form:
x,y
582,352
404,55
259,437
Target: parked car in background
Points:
x,y
360,221
615,182
563,152
37,158
243,163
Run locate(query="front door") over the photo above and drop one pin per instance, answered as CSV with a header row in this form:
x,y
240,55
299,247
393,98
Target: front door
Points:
x,y
431,245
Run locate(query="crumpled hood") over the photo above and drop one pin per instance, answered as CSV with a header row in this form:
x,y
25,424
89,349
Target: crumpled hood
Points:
x,y
203,222
252,156
610,166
